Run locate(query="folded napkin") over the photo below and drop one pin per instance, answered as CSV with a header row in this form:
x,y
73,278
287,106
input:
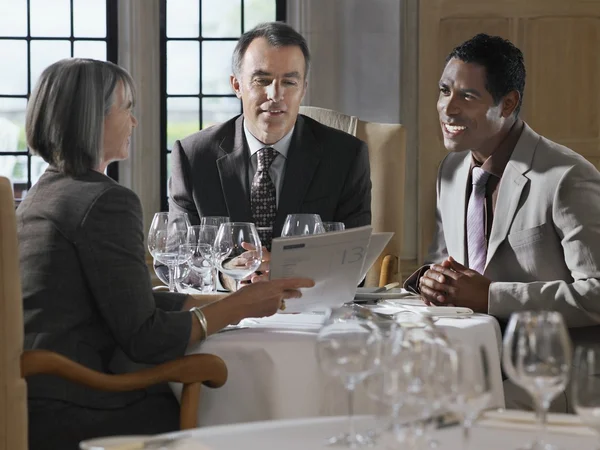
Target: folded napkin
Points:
x,y
526,421
141,443
421,308
287,321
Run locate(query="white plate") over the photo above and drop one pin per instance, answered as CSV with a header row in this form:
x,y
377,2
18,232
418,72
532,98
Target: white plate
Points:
x,y
369,294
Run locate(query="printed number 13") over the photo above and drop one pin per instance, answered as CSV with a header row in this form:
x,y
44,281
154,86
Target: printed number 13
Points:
x,y
353,255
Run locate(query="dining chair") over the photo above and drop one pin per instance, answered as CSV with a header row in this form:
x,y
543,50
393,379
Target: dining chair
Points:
x,y
16,365
387,154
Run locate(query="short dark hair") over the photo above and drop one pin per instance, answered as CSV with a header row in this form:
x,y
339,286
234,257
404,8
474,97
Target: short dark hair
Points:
x,y
64,123
503,63
278,34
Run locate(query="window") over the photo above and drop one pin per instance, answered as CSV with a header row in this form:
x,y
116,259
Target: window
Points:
x,y
197,41
33,35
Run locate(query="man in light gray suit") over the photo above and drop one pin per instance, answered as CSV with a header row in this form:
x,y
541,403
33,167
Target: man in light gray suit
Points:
x,y
518,216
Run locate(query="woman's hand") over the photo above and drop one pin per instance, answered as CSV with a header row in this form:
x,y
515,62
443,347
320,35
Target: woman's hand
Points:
x,y
264,299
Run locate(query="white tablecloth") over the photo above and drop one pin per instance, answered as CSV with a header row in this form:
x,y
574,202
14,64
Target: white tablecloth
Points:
x,y
273,371
311,434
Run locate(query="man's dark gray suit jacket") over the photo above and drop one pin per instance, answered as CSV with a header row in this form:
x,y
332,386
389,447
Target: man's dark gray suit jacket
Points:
x,y
86,285
327,173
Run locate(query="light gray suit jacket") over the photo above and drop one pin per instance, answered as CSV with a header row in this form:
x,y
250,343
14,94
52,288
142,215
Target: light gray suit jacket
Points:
x,y
86,287
544,246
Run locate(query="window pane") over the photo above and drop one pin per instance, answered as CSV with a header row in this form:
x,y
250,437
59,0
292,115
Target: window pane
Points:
x,y
183,71
38,166
216,66
13,18
168,171
182,118
15,169
13,54
44,53
222,18
182,18
257,11
12,125
90,49
219,109
89,18
50,18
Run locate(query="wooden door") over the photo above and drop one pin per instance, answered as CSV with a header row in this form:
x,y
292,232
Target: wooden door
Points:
x,y
560,40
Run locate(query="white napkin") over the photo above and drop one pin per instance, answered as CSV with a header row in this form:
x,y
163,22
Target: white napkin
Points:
x,y
288,321
526,421
417,306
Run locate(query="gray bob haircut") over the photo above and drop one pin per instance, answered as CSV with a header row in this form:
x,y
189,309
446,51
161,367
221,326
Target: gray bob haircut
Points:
x,y
65,115
277,34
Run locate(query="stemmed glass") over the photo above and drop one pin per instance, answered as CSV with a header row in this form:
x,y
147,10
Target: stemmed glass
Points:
x,y
586,386
167,233
348,347
214,221
470,385
237,250
537,355
302,224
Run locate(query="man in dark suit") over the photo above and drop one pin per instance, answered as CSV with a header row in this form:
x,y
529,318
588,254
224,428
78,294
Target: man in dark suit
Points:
x,y
270,162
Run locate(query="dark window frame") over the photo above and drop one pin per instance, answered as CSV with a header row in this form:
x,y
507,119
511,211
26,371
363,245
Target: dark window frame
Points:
x,y
280,15
111,40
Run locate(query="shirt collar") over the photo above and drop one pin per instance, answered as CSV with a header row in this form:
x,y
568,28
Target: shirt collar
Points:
x,y
282,146
498,160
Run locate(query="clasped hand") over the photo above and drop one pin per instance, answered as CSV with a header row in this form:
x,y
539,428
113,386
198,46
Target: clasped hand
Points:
x,y
452,284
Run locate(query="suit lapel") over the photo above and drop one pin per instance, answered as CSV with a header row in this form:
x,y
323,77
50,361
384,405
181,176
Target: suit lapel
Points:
x,y
511,187
233,171
303,158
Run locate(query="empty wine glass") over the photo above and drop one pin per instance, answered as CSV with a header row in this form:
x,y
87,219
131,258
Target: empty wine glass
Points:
x,y
333,226
302,224
167,233
348,347
537,356
586,386
237,250
471,388
214,221
203,234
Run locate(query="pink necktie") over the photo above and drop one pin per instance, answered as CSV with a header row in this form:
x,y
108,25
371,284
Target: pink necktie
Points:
x,y
476,242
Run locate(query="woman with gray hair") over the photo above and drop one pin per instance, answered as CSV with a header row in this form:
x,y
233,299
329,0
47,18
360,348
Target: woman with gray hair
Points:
x,y
86,287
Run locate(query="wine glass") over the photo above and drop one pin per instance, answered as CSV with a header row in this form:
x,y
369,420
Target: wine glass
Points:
x,y
333,226
214,221
203,234
470,384
537,356
167,233
348,347
194,273
232,257
302,224
586,386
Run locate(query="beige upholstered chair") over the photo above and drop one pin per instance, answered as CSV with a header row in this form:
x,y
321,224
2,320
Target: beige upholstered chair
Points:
x,y
16,365
387,152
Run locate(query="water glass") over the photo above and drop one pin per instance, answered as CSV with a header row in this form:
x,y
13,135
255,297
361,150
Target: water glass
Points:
x,y
586,386
194,273
537,356
302,224
167,232
333,226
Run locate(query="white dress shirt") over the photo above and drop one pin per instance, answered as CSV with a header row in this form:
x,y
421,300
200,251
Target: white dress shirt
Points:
x,y
277,169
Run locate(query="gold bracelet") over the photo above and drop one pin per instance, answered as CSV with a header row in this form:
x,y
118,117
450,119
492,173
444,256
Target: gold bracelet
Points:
x,y
201,320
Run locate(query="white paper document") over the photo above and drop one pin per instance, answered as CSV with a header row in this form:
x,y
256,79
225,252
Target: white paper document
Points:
x,y
333,260
377,243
